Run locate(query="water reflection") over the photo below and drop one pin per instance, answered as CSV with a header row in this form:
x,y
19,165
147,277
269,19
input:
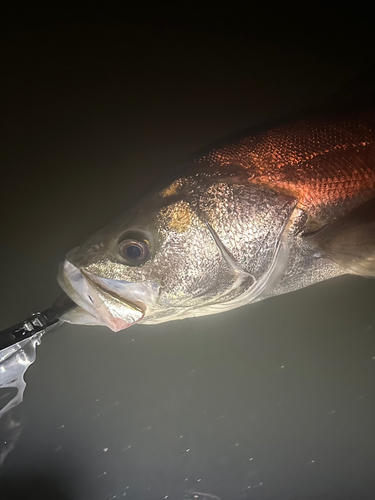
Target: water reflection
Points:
x,y
10,431
14,361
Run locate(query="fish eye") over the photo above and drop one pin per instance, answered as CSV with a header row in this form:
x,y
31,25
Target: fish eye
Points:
x,y
134,251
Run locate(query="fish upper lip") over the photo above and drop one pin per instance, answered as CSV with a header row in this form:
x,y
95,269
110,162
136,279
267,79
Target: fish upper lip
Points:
x,y
91,279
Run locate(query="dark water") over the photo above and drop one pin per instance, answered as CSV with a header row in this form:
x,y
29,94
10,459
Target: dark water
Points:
x,y
271,401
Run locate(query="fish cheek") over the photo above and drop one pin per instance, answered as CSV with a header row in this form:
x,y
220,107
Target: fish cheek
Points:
x,y
189,265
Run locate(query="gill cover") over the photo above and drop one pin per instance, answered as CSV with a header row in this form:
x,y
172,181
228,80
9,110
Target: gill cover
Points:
x,y
249,224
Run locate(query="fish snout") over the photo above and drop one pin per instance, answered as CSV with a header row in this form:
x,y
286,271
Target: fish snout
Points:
x,y
83,256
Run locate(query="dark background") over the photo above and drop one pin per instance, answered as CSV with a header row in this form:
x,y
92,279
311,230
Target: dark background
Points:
x,y
96,106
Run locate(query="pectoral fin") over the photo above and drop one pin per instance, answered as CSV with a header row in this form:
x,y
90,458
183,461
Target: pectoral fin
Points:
x,y
350,241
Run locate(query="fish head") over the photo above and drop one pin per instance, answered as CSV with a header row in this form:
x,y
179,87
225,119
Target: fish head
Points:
x,y
160,261
157,262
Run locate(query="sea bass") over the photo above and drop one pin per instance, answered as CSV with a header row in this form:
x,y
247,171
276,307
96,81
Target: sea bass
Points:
x,y
272,211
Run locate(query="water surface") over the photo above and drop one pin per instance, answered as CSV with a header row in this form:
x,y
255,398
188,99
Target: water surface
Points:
x,y
271,401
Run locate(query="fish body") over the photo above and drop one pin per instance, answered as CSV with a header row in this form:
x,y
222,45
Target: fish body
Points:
x,y
265,213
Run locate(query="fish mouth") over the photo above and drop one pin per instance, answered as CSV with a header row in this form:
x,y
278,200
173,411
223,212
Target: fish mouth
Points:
x,y
102,301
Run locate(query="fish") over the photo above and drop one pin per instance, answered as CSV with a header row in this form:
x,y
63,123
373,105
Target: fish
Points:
x,y
272,210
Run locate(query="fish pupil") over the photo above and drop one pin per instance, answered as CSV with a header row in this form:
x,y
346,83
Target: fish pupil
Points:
x,y
133,252
134,248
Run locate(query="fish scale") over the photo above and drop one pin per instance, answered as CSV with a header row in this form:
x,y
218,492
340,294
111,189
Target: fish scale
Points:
x,y
322,162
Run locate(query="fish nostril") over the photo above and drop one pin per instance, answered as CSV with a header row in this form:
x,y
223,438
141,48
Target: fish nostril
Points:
x,y
91,299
